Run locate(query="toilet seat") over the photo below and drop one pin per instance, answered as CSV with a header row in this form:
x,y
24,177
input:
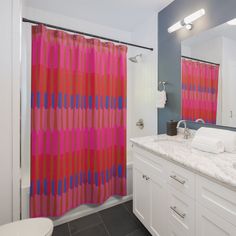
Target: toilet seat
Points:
x,y
28,227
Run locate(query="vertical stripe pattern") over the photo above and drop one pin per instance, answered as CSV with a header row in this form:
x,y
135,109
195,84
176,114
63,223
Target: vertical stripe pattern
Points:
x,y
78,113
199,91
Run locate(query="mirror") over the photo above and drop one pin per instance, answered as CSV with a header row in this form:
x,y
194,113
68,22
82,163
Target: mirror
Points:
x,y
209,76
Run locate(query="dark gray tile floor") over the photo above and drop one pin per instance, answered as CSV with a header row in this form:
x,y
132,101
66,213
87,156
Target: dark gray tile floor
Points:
x,y
115,221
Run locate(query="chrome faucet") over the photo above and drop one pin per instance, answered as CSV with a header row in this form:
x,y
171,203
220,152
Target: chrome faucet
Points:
x,y
186,130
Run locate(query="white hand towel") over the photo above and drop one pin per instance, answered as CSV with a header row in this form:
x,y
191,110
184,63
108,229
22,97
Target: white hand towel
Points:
x,y
161,99
227,137
207,144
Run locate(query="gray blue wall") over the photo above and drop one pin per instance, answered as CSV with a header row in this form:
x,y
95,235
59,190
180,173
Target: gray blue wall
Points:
x,y
169,46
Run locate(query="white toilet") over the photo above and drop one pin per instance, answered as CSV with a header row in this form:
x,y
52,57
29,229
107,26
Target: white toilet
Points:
x,y
28,227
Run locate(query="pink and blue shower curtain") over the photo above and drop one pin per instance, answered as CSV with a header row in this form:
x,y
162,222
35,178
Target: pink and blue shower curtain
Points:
x,y
199,90
78,116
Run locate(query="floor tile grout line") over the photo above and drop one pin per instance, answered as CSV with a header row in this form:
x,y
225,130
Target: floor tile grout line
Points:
x,y
69,229
137,230
108,233
104,224
130,212
87,227
133,216
132,232
126,207
100,223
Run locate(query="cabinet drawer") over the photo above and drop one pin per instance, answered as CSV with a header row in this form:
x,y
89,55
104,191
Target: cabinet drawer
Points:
x,y
181,212
175,230
210,224
217,198
149,168
181,179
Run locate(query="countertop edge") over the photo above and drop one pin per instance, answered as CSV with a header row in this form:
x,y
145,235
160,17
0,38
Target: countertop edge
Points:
x,y
195,171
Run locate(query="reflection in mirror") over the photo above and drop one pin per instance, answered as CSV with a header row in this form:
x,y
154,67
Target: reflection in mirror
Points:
x,y
209,76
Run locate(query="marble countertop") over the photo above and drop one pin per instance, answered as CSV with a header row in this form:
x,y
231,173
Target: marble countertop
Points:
x,y
220,167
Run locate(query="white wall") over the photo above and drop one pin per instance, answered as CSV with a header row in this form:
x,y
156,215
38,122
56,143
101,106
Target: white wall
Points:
x,y
210,50
9,106
185,50
6,113
76,24
16,78
145,78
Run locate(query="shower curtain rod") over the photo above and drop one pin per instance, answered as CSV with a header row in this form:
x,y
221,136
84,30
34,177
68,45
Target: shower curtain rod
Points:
x,y
86,34
195,59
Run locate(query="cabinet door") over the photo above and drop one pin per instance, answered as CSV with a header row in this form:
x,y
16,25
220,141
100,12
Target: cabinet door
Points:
x,y
141,196
158,203
209,223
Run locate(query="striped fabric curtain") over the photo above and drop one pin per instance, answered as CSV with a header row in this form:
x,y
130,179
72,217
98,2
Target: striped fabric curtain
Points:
x,y
78,115
199,90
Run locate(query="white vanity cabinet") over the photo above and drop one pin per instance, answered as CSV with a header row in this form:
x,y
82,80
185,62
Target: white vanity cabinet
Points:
x,y
149,197
173,201
208,223
216,209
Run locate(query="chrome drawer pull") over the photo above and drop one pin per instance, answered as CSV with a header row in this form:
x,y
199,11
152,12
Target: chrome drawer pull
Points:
x,y
174,208
177,179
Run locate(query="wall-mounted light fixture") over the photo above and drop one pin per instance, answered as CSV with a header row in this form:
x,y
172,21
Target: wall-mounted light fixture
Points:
x,y
232,22
187,22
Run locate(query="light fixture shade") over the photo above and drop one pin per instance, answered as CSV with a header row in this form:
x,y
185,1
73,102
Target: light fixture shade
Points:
x,y
232,22
191,18
187,21
175,27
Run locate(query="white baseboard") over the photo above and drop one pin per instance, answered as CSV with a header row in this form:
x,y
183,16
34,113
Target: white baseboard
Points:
x,y
89,209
